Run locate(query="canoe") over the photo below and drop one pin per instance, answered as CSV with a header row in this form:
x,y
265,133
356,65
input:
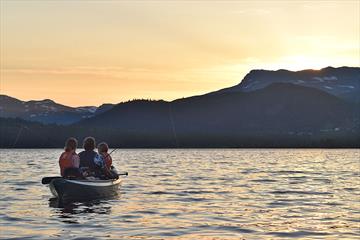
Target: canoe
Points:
x,y
71,190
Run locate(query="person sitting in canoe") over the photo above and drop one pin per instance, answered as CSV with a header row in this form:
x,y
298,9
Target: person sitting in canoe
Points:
x,y
87,158
103,149
69,161
105,161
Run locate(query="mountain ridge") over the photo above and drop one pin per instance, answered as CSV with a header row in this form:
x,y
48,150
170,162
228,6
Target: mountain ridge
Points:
x,y
279,113
46,111
343,82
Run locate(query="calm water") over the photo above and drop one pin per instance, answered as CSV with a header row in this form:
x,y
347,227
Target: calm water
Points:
x,y
192,194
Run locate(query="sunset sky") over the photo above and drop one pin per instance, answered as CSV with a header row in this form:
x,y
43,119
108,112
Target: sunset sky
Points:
x,y
91,52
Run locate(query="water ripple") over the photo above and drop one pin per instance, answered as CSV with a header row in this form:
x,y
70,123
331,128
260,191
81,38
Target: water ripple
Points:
x,y
191,194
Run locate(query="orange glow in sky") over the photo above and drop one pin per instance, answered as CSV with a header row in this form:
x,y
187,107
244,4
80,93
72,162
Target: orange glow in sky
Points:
x,y
91,52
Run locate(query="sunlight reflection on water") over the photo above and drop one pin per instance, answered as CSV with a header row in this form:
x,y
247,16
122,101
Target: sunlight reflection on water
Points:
x,y
220,193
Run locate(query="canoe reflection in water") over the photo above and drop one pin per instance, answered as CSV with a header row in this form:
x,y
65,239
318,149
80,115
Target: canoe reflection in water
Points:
x,y
73,197
66,210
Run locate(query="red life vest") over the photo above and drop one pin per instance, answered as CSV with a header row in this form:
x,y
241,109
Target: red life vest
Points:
x,y
66,161
108,160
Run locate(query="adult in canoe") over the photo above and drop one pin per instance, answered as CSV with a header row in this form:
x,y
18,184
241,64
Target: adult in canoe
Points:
x,y
69,161
87,157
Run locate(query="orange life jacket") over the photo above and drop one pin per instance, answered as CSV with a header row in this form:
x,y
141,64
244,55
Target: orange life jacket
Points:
x,y
107,159
66,161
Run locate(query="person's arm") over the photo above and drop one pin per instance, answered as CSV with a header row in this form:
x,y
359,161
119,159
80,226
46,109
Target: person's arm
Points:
x,y
106,169
110,161
60,158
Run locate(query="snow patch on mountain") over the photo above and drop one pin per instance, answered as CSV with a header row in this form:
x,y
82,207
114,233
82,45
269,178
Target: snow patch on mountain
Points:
x,y
326,78
346,86
343,82
91,109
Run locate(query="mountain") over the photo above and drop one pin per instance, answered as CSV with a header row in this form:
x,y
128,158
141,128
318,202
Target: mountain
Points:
x,y
343,82
267,109
279,112
46,111
103,108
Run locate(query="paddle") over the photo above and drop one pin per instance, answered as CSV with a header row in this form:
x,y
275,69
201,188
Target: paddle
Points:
x,y
120,174
123,174
47,180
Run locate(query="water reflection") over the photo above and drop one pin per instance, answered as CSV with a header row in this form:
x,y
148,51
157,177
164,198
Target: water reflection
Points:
x,y
67,210
192,194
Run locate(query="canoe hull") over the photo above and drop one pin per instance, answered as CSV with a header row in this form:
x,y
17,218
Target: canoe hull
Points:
x,y
72,190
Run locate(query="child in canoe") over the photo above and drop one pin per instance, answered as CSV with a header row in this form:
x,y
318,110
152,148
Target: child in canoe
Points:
x,y
104,161
69,161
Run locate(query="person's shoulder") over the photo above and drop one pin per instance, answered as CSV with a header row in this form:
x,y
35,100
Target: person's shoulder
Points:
x,y
75,156
62,154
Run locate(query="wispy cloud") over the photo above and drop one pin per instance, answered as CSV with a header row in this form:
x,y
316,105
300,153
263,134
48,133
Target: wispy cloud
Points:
x,y
80,70
253,11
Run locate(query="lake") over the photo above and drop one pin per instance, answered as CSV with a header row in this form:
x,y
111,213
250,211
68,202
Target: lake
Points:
x,y
191,194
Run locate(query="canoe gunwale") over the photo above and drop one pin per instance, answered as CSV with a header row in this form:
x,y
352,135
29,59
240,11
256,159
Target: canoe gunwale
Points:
x,y
95,183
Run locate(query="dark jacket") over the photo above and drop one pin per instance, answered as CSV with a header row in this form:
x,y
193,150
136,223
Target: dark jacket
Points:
x,y
87,159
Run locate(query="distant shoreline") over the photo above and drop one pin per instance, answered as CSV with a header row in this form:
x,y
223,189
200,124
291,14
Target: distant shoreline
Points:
x,y
268,109
189,148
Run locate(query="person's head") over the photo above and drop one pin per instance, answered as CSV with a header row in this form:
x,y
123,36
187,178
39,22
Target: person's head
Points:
x,y
103,147
89,143
70,144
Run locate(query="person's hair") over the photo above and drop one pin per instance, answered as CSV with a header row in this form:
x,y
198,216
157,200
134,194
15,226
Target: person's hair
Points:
x,y
70,144
89,143
103,147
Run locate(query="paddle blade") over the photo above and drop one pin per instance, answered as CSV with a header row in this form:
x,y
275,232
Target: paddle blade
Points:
x,y
47,180
123,174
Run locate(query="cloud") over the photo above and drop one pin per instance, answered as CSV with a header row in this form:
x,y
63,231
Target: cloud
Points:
x,y
79,70
258,12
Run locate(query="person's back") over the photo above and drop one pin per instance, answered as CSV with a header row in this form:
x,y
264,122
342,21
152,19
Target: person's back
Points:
x,y
87,157
69,160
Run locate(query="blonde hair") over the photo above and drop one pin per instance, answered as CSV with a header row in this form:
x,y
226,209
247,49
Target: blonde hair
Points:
x,y
70,144
103,147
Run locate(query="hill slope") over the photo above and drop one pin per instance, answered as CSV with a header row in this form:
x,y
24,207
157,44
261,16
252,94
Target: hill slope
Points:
x,y
281,109
267,109
343,82
46,111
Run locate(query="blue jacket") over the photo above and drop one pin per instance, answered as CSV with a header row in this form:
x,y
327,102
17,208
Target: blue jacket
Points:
x,y
87,160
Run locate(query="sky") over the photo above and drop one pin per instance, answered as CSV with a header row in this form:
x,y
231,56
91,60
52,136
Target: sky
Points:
x,y
92,52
